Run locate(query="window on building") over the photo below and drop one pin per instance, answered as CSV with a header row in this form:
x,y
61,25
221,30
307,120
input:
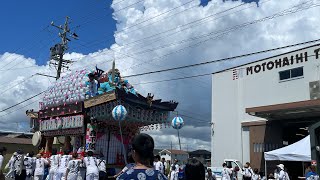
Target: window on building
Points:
x,y
291,74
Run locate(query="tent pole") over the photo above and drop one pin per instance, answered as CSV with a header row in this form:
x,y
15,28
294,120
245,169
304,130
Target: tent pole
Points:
x,y
265,169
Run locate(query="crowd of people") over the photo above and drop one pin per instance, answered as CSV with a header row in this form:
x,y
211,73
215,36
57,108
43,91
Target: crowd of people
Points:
x,y
142,165
58,166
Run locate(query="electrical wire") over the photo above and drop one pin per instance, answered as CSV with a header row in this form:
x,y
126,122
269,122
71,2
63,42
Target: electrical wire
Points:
x,y
224,59
146,20
282,13
10,107
10,112
187,77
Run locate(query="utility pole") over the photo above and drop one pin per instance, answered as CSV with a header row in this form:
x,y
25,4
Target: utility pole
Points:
x,y
58,50
56,59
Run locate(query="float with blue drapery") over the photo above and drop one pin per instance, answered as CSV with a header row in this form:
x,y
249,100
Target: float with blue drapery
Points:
x,y
99,111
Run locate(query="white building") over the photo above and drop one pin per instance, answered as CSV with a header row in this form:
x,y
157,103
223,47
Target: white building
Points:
x,y
264,105
171,155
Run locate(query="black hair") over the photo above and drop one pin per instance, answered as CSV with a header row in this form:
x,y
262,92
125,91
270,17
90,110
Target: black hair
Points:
x,y
143,145
224,164
130,158
256,170
54,151
2,150
31,154
173,168
90,75
194,170
90,153
19,151
157,156
66,152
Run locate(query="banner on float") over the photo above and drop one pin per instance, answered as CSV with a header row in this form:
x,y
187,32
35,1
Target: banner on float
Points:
x,y
67,122
91,138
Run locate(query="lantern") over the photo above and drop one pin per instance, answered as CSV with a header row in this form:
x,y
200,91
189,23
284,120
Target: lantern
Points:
x,y
119,113
177,123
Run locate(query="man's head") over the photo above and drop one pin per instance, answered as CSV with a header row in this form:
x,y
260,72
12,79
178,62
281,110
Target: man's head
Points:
x,y
163,160
156,158
176,161
91,76
90,153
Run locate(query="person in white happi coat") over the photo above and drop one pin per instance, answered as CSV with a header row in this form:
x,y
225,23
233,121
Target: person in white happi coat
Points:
x,y
63,165
29,163
54,163
40,163
91,165
19,168
10,165
226,172
73,168
102,166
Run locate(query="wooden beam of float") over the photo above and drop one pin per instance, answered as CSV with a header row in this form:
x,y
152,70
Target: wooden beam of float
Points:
x,y
100,99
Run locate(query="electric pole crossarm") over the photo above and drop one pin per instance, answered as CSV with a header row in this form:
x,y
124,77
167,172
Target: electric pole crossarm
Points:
x,y
58,50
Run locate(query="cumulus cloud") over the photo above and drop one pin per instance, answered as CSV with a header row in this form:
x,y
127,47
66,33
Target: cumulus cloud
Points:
x,y
156,43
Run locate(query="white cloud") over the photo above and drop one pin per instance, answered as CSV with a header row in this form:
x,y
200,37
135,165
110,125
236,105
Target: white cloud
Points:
x,y
194,95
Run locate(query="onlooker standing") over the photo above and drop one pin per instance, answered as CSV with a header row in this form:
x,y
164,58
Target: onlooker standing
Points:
x,y
158,164
307,169
91,165
210,175
164,165
175,163
102,166
235,172
73,168
194,170
39,167
173,174
247,172
226,172
256,175
2,153
142,153
280,172
312,175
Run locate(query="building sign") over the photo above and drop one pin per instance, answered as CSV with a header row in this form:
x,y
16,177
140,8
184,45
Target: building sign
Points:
x,y
279,63
99,99
59,123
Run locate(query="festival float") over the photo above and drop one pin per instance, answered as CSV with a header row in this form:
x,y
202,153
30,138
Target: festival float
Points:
x,y
99,111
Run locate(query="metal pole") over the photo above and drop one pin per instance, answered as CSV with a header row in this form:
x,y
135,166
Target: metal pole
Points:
x,y
124,150
179,139
265,168
109,134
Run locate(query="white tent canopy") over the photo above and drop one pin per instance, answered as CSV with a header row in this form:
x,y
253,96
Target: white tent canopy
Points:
x,y
299,151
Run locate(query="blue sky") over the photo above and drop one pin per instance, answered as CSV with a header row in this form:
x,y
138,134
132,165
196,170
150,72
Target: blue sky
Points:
x,y
24,25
